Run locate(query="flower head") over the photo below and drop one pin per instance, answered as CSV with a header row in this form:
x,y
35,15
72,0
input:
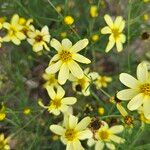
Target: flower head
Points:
x,y
39,39
58,102
138,91
72,132
105,135
115,30
95,37
2,112
65,59
68,20
94,11
14,29
26,111
4,143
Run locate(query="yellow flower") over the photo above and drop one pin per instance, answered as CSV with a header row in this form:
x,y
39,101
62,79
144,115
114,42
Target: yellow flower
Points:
x,y
95,37
72,132
14,31
2,20
4,143
115,30
63,34
58,8
58,102
65,59
145,1
26,111
94,11
146,17
82,85
2,112
105,135
139,90
50,80
142,117
39,39
101,110
102,81
68,20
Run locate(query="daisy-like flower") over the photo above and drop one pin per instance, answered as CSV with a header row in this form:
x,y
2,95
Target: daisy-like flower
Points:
x,y
50,80
138,91
58,102
102,81
105,135
115,30
69,20
39,39
65,59
82,86
4,142
72,132
14,31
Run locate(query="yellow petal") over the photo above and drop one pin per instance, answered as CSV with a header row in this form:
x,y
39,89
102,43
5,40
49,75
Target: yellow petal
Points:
x,y
77,145
54,67
57,129
72,121
15,19
119,46
6,25
116,129
128,80
37,47
60,92
81,58
110,146
51,92
75,69
67,44
127,94
20,36
63,74
69,100
146,107
99,145
109,46
122,38
56,44
79,45
70,146
142,72
118,21
45,30
135,102
122,26
108,20
117,139
86,134
106,30
15,40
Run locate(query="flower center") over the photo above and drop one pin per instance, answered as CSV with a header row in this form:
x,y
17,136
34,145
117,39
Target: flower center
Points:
x,y
70,134
12,30
116,33
38,38
56,103
65,56
104,135
145,88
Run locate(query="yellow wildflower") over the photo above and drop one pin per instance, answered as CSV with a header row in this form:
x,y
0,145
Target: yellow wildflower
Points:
x,y
95,37
39,39
58,8
94,11
63,34
26,111
139,90
2,112
72,132
102,81
2,20
58,102
145,17
4,143
65,59
50,80
115,30
106,136
68,20
101,110
14,31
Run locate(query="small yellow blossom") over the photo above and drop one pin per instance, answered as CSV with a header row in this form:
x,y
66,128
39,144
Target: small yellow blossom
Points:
x,y
146,1
68,20
72,132
2,112
58,8
50,80
26,111
115,30
2,20
14,31
146,17
4,143
102,81
58,102
139,90
101,110
63,34
65,59
95,37
106,136
82,86
94,11
39,39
